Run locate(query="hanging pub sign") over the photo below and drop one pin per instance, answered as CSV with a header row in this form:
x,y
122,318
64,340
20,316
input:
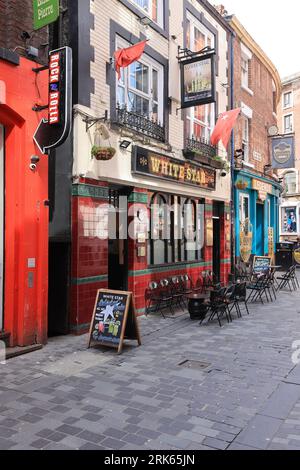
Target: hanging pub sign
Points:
x,y
146,162
198,80
283,152
53,132
114,320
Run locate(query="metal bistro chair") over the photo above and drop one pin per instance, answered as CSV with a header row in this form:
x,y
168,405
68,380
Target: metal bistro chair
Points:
x,y
219,306
178,293
289,279
257,286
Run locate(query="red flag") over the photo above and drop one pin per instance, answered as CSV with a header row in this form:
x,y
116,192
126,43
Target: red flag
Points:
x,y
125,57
224,126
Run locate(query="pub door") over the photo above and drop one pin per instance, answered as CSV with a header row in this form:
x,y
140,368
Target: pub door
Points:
x,y
260,233
217,211
118,241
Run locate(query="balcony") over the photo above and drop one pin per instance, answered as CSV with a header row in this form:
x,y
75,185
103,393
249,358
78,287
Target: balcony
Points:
x,y
141,124
200,151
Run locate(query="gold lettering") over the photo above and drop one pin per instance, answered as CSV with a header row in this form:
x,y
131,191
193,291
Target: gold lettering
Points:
x,y
155,165
176,169
182,173
165,167
189,174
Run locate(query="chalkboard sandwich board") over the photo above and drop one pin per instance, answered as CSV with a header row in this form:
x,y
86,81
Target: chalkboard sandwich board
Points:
x,y
114,320
262,263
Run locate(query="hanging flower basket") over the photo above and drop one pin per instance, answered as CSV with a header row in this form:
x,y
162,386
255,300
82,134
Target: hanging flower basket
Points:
x,y
241,185
103,153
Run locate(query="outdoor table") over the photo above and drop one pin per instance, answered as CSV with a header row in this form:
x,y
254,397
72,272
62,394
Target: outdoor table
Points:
x,y
198,305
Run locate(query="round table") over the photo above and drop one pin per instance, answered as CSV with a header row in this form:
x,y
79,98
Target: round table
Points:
x,y
198,305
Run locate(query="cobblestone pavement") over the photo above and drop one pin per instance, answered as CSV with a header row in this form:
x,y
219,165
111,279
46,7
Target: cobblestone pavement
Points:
x,y
241,390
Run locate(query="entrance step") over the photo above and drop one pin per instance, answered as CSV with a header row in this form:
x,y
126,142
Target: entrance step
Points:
x,y
20,351
4,336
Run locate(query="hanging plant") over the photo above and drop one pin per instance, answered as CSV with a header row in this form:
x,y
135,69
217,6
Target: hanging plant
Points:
x,y
103,153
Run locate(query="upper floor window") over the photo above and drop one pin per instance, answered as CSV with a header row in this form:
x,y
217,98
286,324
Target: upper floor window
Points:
x,y
246,56
200,120
140,88
288,123
290,181
246,138
245,72
152,8
287,100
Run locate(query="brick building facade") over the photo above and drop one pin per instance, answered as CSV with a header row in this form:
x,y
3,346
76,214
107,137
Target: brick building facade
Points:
x,y
97,261
289,125
257,90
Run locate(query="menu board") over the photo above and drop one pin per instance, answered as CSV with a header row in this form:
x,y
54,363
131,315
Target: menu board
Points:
x,y
261,263
114,320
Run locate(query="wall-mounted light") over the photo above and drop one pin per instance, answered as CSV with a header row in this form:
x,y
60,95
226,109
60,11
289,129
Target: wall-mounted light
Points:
x,y
34,160
146,21
125,144
225,85
267,168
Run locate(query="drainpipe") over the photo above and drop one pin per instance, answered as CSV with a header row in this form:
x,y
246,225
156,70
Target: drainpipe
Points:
x,y
232,36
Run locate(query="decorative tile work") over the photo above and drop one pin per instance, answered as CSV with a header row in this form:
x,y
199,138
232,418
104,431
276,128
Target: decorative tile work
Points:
x,y
87,190
89,280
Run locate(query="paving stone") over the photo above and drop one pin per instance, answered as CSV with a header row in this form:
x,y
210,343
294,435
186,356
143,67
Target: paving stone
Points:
x,y
67,429
91,436
110,443
40,444
259,432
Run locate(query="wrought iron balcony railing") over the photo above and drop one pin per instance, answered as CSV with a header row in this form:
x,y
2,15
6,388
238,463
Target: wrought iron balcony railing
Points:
x,y
200,146
139,123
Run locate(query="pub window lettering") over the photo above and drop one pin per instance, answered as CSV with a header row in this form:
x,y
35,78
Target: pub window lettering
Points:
x,y
199,120
140,88
176,230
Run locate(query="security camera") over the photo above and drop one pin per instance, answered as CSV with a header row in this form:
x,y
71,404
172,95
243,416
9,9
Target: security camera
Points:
x,y
32,166
223,173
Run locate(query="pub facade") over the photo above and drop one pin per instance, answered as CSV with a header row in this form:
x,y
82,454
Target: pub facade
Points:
x,y
143,166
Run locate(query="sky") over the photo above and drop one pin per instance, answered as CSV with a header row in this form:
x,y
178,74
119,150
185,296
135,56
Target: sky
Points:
x,y
275,26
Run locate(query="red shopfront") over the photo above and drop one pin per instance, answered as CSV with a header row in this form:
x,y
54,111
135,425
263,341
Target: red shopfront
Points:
x,y
24,205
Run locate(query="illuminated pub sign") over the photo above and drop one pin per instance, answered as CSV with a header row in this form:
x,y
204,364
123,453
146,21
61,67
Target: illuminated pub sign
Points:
x,y
145,162
198,81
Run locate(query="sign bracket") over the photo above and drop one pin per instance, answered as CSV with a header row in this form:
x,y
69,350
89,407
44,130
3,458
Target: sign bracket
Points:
x,y
90,122
186,54
40,69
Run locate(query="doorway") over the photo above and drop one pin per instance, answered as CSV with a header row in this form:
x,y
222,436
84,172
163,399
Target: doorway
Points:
x,y
2,180
260,229
58,302
118,239
218,209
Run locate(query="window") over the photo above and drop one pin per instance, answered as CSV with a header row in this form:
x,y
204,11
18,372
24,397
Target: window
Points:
x,y
244,208
287,99
200,120
176,230
152,8
245,72
289,220
140,88
245,136
288,124
290,182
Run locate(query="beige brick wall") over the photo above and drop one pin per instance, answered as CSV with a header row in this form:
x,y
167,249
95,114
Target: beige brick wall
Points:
x,y
119,167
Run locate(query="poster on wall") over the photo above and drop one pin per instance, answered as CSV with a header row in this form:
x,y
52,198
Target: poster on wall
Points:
x,y
289,220
283,152
198,81
246,240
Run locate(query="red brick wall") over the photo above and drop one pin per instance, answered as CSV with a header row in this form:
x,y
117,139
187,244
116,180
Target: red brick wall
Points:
x,y
17,16
260,82
89,257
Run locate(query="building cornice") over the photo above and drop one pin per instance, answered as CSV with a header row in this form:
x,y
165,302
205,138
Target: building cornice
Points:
x,y
247,39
